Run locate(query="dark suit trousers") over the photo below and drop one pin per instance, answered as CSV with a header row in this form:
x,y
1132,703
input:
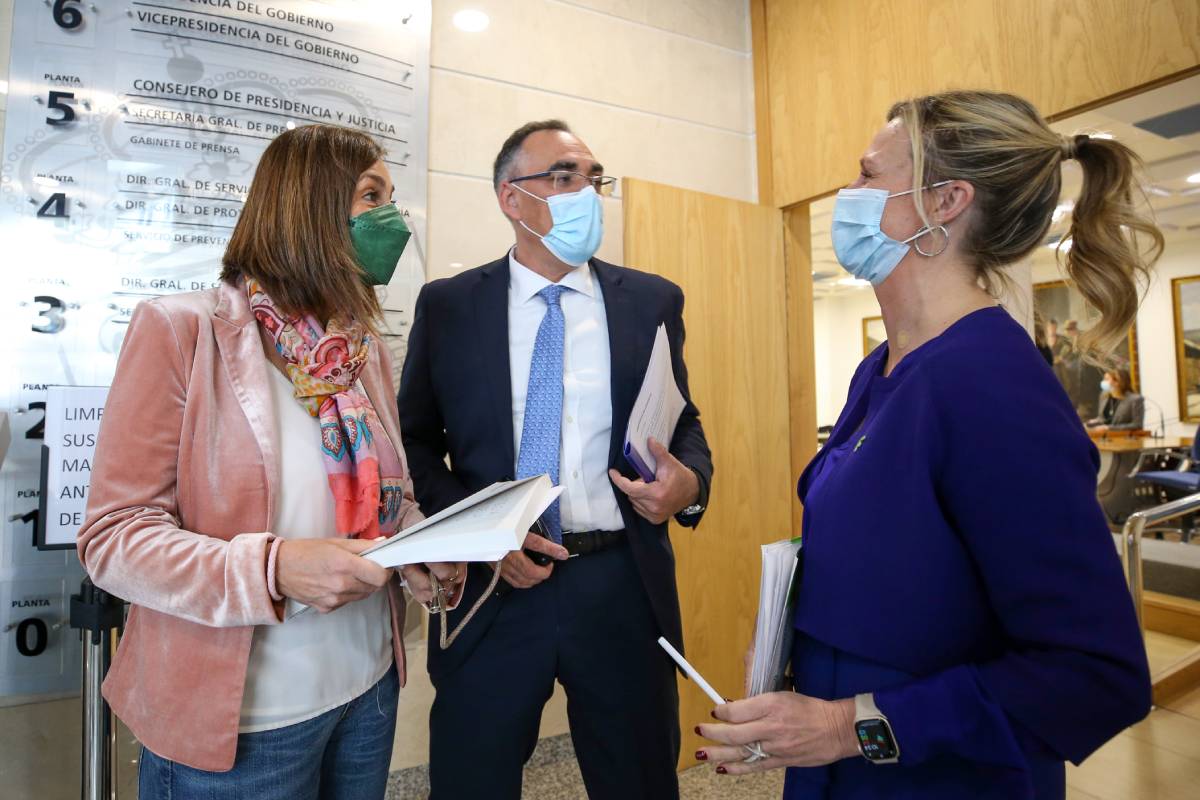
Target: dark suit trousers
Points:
x,y
590,627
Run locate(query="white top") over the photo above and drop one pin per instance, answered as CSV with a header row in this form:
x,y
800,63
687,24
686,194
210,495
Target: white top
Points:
x,y
313,662
587,502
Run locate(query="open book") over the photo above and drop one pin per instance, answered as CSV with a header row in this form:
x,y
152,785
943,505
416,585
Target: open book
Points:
x,y
773,628
656,410
483,527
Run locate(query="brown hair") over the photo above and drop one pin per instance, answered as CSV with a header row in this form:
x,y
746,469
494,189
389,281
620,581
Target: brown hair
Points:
x,y
1124,380
1006,151
292,235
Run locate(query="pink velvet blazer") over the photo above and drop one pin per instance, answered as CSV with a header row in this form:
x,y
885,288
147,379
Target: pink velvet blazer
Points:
x,y
184,483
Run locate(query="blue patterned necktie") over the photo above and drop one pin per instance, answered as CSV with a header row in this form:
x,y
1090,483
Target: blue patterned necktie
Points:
x,y
541,432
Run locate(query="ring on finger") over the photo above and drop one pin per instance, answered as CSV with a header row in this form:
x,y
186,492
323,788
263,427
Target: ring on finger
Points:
x,y
756,752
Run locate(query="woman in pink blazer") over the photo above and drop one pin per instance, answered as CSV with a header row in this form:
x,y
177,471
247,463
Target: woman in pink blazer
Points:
x,y
249,452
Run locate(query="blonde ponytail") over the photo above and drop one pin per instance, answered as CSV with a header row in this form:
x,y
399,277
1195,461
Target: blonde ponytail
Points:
x,y
1001,145
1106,260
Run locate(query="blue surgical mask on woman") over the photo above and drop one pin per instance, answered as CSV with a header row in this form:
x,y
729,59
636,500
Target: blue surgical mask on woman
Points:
x,y
863,250
578,225
1106,386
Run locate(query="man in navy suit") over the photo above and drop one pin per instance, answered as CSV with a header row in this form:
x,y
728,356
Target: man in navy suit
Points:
x,y
531,364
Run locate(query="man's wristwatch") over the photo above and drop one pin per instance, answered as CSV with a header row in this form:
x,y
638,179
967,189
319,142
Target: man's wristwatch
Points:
x,y
876,741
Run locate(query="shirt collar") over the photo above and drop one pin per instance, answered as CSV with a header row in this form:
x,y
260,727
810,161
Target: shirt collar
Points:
x,y
524,283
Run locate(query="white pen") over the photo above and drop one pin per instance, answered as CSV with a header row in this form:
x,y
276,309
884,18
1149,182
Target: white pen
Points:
x,y
690,671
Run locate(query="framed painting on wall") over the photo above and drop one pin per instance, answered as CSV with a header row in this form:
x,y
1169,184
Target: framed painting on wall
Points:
x,y
873,334
1185,296
1065,316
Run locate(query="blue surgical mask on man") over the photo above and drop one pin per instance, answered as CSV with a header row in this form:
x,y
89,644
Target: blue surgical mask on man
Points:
x,y
578,225
863,250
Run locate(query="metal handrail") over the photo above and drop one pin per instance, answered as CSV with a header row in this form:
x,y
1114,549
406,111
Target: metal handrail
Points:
x,y
1131,541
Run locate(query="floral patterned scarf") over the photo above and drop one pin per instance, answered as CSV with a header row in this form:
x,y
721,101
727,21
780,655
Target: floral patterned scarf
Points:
x,y
365,473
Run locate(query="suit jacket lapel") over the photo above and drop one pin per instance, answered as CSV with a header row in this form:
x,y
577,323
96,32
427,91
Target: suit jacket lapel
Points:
x,y
246,365
627,363
490,298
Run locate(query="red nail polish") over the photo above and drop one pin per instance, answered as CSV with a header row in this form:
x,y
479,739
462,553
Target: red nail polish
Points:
x,y
698,733
712,714
701,755
721,771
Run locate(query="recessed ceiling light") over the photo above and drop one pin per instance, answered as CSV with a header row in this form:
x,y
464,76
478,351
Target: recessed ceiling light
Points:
x,y
471,20
1194,178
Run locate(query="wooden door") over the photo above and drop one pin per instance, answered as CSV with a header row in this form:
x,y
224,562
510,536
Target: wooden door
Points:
x,y
728,257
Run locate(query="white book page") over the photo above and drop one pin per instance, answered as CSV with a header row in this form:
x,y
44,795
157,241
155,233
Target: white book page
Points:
x,y
497,524
659,403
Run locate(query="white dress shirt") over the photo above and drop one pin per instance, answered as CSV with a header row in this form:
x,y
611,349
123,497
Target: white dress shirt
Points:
x,y
588,501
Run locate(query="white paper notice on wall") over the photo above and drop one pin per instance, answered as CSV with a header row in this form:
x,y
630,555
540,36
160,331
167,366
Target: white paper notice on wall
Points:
x,y
73,416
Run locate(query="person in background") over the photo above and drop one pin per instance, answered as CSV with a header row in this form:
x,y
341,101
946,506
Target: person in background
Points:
x,y
962,623
249,452
1041,337
1121,408
530,365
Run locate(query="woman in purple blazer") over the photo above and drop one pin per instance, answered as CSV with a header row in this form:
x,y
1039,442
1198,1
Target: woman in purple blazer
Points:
x,y
962,625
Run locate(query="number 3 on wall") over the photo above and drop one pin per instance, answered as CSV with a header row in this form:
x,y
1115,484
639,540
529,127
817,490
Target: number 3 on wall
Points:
x,y
65,16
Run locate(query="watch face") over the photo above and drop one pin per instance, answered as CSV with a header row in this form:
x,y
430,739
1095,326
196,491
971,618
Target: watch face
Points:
x,y
875,740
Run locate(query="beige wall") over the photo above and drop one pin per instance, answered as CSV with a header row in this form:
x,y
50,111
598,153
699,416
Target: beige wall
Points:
x,y
658,89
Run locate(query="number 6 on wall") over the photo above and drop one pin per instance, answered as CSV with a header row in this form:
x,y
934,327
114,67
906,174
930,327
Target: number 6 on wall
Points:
x,y
67,17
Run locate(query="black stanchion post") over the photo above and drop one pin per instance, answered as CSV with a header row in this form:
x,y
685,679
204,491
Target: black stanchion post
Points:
x,y
97,614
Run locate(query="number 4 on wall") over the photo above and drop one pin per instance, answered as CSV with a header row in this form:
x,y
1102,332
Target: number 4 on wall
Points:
x,y
55,206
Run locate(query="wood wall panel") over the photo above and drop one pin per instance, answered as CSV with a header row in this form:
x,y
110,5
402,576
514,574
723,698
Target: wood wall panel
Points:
x,y
728,256
802,388
834,67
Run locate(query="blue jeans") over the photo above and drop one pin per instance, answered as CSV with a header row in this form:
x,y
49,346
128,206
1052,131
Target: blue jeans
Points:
x,y
342,754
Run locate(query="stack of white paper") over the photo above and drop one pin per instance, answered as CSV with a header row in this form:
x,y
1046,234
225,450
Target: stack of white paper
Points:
x,y
483,527
773,628
656,410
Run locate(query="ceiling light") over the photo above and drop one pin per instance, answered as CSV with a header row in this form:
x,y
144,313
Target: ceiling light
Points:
x,y
471,20
1101,136
1194,178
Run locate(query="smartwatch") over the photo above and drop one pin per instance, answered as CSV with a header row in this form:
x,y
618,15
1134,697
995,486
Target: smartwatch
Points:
x,y
876,741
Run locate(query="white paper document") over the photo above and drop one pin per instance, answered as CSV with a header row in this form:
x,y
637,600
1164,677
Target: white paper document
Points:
x,y
773,628
483,527
656,410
